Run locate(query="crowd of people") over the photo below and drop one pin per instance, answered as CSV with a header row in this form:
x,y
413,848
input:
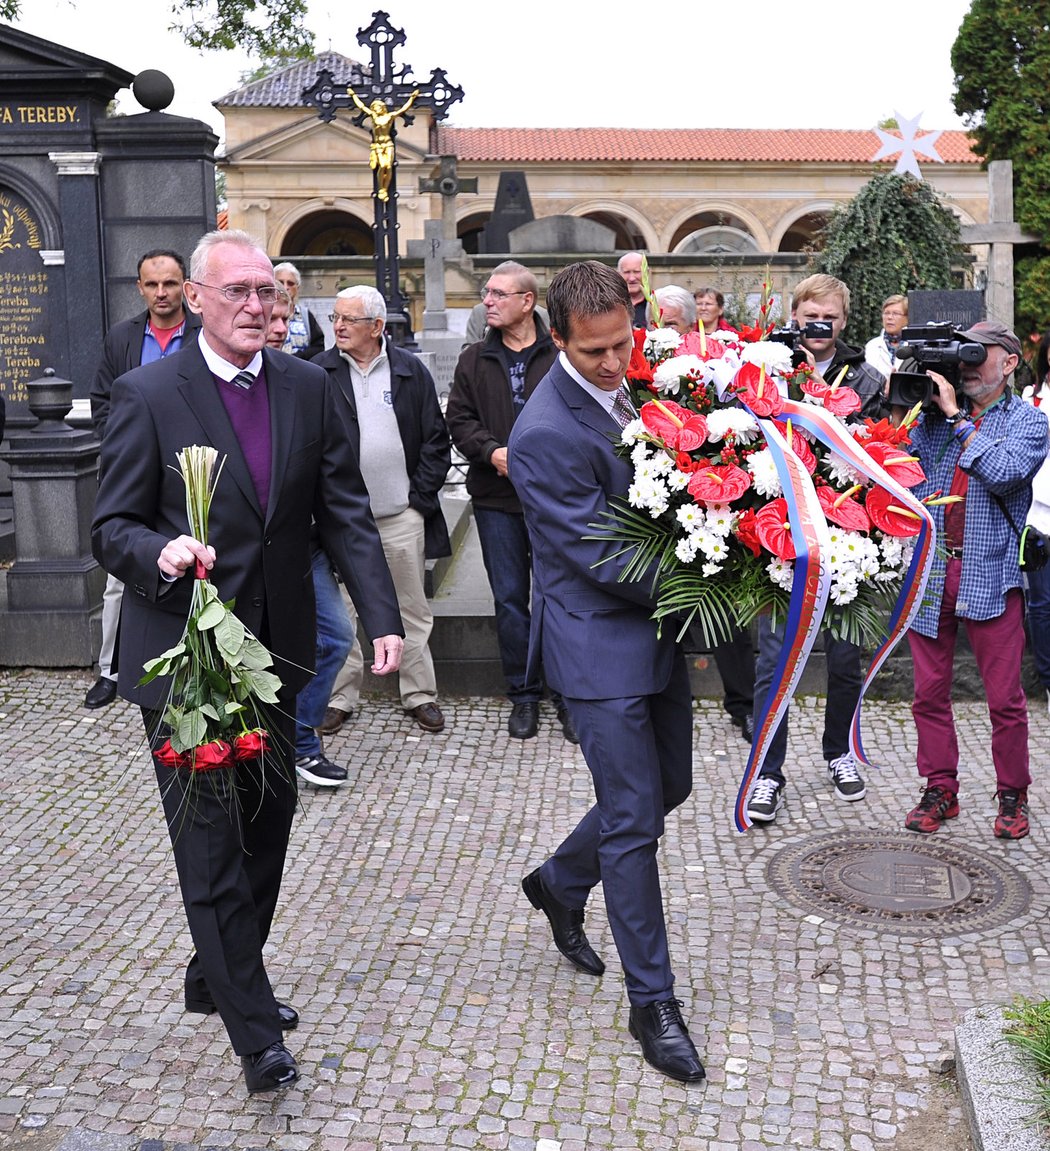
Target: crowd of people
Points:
x,y
329,510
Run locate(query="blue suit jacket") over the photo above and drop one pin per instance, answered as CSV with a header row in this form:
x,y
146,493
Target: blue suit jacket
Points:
x,y
595,633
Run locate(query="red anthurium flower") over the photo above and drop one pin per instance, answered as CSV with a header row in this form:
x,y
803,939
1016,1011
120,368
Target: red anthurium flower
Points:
x,y
745,532
815,388
718,483
706,347
774,530
251,744
800,446
842,509
679,428
169,757
758,391
842,402
887,515
905,469
210,756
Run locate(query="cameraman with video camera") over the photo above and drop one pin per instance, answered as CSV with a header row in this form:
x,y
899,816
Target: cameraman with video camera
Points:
x,y
819,311
976,440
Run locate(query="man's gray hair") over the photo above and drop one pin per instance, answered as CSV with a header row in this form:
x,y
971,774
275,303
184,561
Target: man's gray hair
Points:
x,y
619,262
291,269
677,297
202,252
373,300
523,278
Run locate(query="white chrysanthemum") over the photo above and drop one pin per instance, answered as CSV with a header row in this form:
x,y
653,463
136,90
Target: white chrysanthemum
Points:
x,y
711,569
685,549
842,592
634,432
781,573
660,343
841,474
641,452
742,424
677,481
690,516
775,357
649,494
667,378
719,519
714,547
764,474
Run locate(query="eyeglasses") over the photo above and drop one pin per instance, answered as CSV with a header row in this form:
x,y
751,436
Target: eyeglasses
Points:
x,y
497,295
336,318
241,293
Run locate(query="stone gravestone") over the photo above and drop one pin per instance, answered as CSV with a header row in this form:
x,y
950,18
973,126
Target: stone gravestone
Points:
x,y
962,309
439,348
25,314
562,234
513,208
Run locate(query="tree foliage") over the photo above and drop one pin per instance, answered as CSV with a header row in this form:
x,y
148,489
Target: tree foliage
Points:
x,y
1001,60
894,235
259,27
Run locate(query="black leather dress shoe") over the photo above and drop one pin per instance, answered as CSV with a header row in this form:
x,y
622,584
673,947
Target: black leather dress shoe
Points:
x,y
524,720
746,723
566,926
288,1016
101,693
568,728
269,1069
665,1041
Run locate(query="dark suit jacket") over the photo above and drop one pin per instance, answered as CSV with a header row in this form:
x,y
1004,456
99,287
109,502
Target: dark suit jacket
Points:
x,y
263,556
122,351
594,633
424,434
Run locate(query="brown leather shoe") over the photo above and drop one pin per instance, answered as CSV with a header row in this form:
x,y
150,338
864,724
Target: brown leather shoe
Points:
x,y
334,718
429,717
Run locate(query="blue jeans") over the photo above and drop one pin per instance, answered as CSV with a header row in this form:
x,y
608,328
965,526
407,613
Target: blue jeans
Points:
x,y
335,637
844,680
507,554
1038,597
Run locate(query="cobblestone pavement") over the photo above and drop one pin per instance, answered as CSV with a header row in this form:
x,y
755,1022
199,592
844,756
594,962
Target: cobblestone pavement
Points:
x,y
435,1012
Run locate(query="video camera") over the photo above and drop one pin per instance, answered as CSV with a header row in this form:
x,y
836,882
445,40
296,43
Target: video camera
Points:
x,y
792,336
937,346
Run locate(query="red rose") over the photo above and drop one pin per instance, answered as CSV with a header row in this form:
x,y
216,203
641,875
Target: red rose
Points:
x,y
774,530
745,532
169,757
251,744
210,756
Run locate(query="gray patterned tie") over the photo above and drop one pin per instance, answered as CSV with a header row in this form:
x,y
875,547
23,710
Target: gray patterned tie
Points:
x,y
623,410
243,379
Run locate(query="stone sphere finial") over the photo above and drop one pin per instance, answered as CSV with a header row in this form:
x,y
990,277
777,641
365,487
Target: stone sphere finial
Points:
x,y
153,90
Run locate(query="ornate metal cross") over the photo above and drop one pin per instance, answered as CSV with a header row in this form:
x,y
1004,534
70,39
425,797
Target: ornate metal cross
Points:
x,y
391,86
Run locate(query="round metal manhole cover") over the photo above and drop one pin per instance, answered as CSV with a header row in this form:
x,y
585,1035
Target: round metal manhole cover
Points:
x,y
898,883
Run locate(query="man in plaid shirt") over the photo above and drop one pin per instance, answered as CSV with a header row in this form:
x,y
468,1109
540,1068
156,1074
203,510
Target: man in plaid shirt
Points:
x,y
984,445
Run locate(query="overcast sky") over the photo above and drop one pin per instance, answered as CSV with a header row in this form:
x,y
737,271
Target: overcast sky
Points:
x,y
550,62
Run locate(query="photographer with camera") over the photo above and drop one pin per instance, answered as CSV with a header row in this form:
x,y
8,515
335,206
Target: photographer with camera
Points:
x,y
1038,595
979,441
819,310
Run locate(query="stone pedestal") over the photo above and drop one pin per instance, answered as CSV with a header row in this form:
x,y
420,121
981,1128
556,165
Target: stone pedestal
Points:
x,y
54,588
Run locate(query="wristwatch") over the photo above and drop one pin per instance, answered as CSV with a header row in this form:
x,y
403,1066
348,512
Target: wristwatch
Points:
x,y
959,415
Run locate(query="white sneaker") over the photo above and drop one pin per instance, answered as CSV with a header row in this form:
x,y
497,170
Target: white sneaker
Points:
x,y
847,780
767,798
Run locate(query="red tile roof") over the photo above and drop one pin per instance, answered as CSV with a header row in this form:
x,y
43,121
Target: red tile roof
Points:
x,y
778,146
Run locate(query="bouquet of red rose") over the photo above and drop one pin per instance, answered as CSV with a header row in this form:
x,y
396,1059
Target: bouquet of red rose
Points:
x,y
220,685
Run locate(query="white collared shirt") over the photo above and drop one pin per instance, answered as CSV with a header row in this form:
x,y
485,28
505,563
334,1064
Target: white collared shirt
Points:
x,y
223,368
599,395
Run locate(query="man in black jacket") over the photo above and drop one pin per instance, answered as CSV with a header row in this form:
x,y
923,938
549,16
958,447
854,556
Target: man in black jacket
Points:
x,y
493,380
149,336
395,426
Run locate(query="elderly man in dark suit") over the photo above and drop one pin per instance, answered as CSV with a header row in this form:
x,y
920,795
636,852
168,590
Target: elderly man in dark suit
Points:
x,y
625,685
157,332
289,472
